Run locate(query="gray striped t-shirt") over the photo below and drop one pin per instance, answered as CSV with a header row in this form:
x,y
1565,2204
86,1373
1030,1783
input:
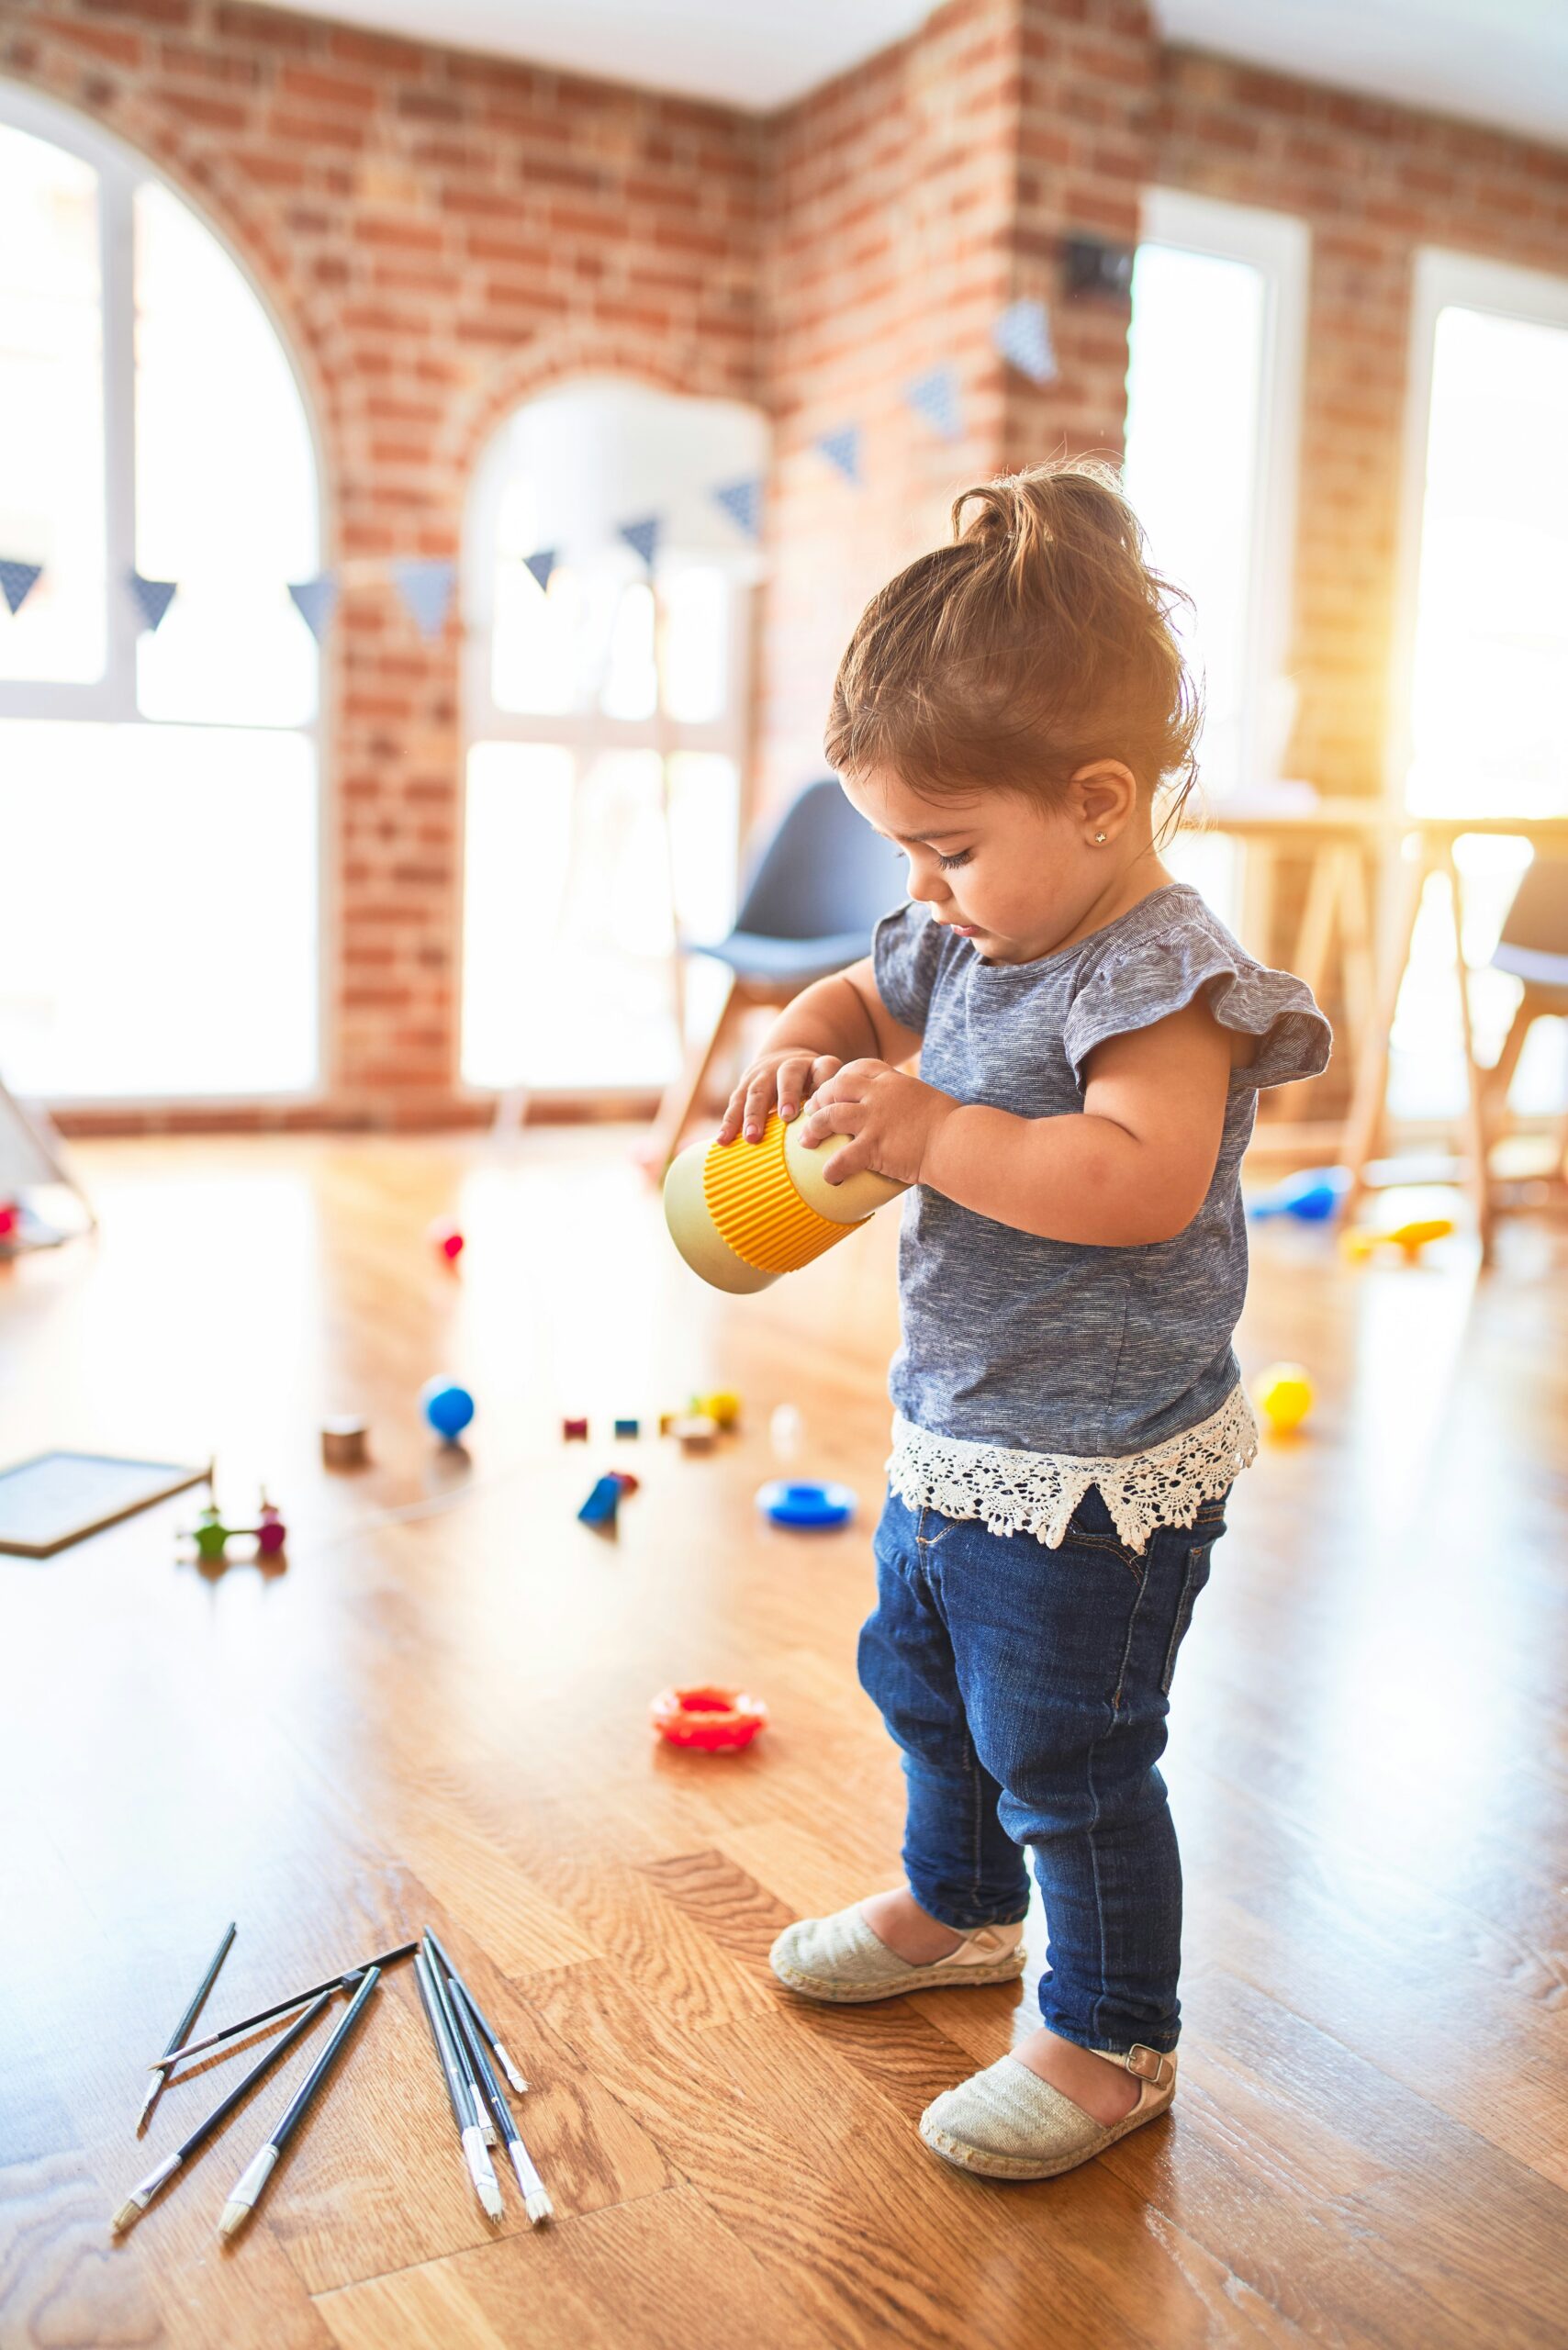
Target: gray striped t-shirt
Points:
x,y
1048,1345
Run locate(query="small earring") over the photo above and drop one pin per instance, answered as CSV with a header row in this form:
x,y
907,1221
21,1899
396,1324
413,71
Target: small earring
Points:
x,y
1100,836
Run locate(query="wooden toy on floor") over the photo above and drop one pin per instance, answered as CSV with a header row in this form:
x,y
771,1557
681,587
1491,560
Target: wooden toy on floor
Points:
x,y
1311,1197
447,1407
344,1442
1409,1237
696,1432
575,1432
722,1408
708,1718
1285,1396
804,1504
628,1427
602,1504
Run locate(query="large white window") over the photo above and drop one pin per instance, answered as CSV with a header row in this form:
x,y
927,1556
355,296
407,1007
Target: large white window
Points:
x,y
1214,392
158,790
1479,721
1213,396
607,722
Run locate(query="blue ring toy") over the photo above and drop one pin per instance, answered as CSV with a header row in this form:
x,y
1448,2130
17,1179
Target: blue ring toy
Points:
x,y
790,1502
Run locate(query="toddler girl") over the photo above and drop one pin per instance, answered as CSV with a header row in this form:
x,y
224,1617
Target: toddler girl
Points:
x,y
1071,1266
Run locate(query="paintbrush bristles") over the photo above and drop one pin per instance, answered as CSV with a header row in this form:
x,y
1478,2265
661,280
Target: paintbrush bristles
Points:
x,y
509,2069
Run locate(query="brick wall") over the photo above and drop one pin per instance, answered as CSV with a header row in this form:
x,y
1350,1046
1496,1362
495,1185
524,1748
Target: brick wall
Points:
x,y
440,234
907,202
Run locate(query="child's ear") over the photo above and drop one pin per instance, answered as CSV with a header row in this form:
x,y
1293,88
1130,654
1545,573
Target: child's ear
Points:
x,y
1102,797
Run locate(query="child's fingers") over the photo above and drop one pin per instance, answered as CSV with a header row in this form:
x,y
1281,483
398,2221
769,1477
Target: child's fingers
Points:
x,y
797,1077
760,1093
824,1118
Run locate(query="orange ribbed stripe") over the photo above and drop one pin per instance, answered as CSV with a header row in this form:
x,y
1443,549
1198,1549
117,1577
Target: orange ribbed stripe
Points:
x,y
757,1209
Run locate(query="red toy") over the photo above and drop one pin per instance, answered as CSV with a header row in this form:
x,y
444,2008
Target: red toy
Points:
x,y
10,1219
448,1239
709,1718
574,1430
624,1479
272,1533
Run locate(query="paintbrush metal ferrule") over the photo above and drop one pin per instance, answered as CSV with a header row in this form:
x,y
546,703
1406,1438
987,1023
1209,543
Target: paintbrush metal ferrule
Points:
x,y
481,2171
141,2194
246,2191
153,2085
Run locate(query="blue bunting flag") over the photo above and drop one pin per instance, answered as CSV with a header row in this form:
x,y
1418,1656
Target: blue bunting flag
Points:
x,y
426,583
643,537
18,581
317,601
935,396
1022,335
153,597
742,501
843,449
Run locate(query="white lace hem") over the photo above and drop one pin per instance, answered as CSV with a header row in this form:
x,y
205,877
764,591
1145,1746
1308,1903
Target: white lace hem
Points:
x,y
1037,1492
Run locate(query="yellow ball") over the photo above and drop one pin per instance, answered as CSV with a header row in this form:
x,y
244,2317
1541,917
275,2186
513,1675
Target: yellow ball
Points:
x,y
1285,1396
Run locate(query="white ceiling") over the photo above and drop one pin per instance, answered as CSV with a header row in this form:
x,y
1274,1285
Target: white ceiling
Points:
x,y
1503,62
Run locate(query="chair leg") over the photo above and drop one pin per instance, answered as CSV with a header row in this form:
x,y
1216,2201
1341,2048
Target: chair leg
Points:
x,y
683,1094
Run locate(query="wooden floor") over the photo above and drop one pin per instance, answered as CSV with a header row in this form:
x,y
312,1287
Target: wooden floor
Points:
x,y
438,1713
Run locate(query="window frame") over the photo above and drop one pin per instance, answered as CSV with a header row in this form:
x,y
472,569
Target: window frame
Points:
x,y
111,699
1442,279
1279,246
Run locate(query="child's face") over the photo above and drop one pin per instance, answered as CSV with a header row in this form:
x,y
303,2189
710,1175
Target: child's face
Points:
x,y
1014,875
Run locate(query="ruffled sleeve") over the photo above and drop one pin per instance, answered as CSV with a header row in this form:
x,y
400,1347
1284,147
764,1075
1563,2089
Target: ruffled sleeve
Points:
x,y
1133,986
906,948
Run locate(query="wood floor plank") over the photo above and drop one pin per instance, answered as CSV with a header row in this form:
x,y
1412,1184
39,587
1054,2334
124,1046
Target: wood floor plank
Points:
x,y
824,2179
663,2274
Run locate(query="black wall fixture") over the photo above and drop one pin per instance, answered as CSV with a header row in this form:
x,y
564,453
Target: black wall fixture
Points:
x,y
1090,266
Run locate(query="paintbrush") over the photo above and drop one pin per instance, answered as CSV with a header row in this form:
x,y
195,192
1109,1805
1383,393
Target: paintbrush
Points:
x,y
249,2188
160,2071
480,2168
265,2015
535,2194
141,2194
444,1972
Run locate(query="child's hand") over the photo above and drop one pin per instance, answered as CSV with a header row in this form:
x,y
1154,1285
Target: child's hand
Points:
x,y
893,1117
780,1081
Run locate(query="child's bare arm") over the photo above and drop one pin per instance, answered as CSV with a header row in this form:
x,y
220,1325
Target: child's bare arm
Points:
x,y
1132,1167
832,1021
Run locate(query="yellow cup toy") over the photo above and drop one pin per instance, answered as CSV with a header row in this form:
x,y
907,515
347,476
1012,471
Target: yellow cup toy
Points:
x,y
743,1213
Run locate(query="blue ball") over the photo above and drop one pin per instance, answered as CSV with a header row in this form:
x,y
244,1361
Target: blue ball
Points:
x,y
447,1407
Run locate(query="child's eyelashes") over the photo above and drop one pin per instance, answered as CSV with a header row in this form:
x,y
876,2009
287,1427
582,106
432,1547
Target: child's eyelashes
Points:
x,y
947,863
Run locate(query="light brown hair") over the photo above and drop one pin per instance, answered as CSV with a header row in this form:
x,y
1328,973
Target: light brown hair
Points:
x,y
1038,640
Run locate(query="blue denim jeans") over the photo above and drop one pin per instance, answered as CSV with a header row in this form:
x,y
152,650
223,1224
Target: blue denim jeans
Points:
x,y
1028,1689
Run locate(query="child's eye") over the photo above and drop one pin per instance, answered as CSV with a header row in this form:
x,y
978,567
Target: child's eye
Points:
x,y
947,863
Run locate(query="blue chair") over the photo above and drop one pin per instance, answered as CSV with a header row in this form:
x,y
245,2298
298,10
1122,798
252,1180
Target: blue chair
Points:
x,y
816,887
1533,948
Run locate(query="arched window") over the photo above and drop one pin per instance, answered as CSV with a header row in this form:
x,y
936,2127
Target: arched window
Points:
x,y
159,827
607,711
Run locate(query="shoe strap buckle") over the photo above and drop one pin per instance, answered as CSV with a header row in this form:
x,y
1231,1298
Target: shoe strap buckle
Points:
x,y
1149,2065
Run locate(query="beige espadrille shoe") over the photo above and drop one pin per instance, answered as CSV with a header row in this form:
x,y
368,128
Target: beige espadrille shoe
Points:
x,y
1007,2123
840,1959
